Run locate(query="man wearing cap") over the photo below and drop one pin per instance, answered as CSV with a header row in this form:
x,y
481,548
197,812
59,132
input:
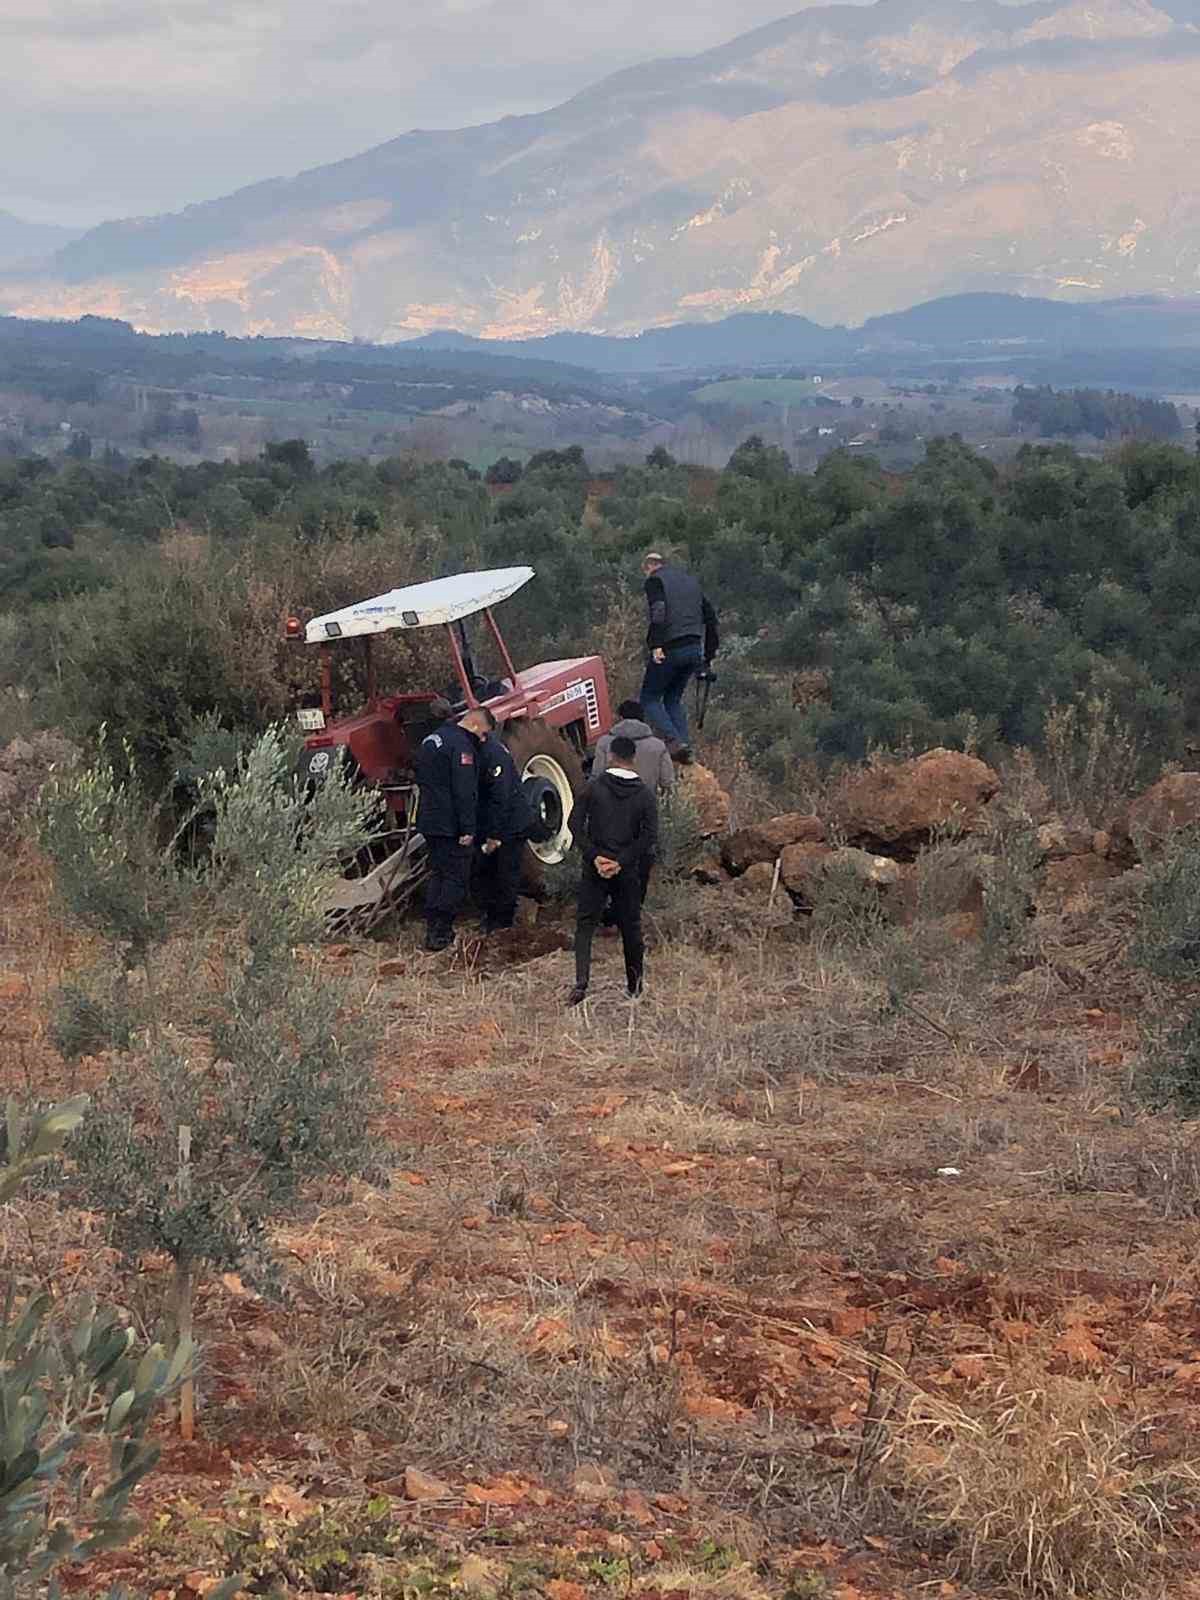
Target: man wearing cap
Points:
x,y
681,641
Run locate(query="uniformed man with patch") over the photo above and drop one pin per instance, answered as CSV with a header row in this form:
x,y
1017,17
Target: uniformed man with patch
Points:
x,y
447,770
505,818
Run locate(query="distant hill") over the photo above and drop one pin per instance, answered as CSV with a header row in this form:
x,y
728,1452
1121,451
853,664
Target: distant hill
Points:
x,y
838,165
22,241
953,324
747,340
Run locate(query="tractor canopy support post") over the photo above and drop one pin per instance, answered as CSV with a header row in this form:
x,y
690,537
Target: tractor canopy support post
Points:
x,y
369,657
327,681
500,645
456,652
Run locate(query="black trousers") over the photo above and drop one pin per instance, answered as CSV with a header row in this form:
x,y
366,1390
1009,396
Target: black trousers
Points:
x,y
498,881
448,883
645,868
624,895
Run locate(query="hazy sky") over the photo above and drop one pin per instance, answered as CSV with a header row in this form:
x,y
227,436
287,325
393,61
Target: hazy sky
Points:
x,y
129,107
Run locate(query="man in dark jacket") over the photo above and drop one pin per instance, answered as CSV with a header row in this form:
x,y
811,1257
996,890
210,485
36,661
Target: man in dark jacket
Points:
x,y
505,818
651,761
681,641
615,824
447,769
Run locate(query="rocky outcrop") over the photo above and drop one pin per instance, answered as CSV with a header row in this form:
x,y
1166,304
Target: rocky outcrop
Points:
x,y
893,812
1058,840
800,867
1167,807
1065,883
895,808
766,841
712,804
808,872
756,882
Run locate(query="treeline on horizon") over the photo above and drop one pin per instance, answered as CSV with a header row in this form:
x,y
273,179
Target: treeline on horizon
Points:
x,y
1102,413
956,603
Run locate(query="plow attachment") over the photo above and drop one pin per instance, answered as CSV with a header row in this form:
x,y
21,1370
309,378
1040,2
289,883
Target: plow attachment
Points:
x,y
358,905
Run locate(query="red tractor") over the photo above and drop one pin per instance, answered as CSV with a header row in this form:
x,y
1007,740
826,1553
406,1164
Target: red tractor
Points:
x,y
550,716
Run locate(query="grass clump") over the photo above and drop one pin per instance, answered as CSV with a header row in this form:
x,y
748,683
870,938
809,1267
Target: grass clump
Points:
x,y
1048,1489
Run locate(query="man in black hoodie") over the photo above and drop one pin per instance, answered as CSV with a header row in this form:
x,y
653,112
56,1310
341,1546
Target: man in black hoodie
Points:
x,y
652,764
615,824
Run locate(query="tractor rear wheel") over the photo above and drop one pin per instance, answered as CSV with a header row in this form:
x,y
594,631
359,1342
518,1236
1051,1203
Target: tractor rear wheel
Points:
x,y
552,774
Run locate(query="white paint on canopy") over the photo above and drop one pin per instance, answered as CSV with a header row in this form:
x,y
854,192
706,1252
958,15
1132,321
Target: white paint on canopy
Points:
x,y
421,605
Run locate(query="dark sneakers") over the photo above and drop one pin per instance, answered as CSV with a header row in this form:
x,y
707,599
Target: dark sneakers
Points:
x,y
577,995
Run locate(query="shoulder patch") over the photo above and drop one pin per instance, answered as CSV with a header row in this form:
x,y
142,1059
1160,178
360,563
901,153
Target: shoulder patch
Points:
x,y
496,771
435,739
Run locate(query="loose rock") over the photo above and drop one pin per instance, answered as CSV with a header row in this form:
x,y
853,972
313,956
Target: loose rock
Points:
x,y
895,808
764,841
755,883
420,1485
713,805
1057,840
1171,804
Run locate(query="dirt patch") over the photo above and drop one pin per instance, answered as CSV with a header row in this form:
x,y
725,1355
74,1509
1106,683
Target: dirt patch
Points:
x,y
671,1244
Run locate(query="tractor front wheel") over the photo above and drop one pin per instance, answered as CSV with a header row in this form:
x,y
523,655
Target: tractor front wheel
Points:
x,y
552,775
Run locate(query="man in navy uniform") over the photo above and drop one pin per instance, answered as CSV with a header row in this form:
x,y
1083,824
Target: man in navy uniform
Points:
x,y
505,818
447,770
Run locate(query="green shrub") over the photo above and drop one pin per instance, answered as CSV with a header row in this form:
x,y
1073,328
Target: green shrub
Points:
x,y
101,834
1167,944
91,1013
1008,871
680,840
237,1092
77,1397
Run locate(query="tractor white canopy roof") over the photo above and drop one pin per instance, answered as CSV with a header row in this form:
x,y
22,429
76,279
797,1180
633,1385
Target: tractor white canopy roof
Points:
x,y
421,605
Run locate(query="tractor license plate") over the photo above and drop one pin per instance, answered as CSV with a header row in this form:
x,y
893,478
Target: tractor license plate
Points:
x,y
311,721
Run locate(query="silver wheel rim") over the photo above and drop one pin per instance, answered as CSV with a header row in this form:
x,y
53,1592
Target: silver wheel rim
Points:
x,y
554,849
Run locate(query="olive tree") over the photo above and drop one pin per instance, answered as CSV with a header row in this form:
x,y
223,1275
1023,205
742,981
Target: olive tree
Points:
x,y
77,1397
249,1074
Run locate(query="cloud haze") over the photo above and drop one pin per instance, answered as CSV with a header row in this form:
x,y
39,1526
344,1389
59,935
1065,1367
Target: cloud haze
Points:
x,y
130,107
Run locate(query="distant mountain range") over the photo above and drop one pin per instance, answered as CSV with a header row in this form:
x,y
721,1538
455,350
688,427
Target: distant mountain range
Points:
x,y
22,241
837,165
967,325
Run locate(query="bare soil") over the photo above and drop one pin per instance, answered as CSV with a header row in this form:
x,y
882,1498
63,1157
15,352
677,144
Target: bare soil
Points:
x,y
650,1286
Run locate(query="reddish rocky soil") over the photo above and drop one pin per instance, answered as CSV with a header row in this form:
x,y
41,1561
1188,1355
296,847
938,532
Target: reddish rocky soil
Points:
x,y
615,1322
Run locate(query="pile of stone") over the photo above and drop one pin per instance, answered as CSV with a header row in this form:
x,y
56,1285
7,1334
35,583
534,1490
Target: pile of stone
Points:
x,y
882,818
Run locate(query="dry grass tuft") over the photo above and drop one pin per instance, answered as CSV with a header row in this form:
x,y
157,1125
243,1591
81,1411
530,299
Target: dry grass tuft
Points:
x,y
738,1582
1047,1489
671,1122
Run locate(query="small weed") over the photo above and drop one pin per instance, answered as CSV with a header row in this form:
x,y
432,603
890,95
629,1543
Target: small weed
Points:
x,y
1092,759
1008,879
612,1571
807,1586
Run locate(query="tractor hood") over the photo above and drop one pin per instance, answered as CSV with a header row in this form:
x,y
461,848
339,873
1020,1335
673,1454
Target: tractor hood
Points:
x,y
421,605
